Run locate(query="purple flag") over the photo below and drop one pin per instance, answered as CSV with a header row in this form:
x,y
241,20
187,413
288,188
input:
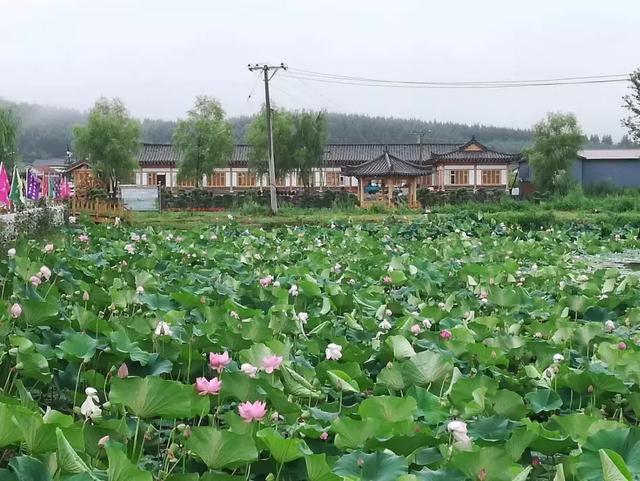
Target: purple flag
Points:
x,y
33,185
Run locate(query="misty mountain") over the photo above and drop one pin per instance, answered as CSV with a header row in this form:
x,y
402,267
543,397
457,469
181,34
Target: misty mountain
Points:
x,y
46,132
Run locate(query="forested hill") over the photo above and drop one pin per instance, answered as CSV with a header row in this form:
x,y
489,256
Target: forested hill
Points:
x,y
46,132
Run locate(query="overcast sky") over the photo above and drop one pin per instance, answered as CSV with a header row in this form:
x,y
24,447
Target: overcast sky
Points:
x,y
157,55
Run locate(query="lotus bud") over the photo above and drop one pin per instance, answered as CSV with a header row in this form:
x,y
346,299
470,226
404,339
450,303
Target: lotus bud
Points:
x,y
85,296
16,310
123,371
103,441
19,366
13,351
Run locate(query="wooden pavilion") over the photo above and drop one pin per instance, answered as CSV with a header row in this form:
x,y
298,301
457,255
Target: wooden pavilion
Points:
x,y
389,172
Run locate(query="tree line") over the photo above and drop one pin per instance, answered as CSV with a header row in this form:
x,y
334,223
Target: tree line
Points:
x,y
47,132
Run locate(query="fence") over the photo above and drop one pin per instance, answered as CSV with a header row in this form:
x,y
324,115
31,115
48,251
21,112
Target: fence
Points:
x,y
100,210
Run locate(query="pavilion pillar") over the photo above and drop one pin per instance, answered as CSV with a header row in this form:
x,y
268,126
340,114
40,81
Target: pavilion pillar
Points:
x,y
475,177
412,192
390,190
361,191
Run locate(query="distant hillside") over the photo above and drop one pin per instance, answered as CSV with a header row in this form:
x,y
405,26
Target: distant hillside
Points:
x,y
46,132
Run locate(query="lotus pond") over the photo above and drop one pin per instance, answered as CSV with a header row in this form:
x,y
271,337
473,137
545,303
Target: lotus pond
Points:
x,y
450,349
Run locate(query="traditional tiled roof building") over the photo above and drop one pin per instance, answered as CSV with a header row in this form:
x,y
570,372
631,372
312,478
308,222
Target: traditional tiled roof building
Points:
x,y
444,166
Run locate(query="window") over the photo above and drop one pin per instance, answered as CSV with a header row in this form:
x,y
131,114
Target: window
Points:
x,y
333,179
459,177
186,183
246,179
280,181
217,179
491,177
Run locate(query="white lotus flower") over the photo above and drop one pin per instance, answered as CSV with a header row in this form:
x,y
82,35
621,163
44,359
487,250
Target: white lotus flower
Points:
x,y
426,323
609,325
558,358
163,329
90,408
459,431
333,351
249,369
11,252
385,325
72,219
293,290
140,290
303,316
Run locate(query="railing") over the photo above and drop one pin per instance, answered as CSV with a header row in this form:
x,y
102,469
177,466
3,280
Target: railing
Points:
x,y
100,209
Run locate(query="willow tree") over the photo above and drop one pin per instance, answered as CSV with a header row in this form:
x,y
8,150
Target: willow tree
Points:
x,y
8,137
205,139
109,142
632,104
556,141
299,143
283,125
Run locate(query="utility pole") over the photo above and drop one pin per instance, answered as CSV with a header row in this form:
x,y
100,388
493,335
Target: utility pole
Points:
x,y
420,133
266,69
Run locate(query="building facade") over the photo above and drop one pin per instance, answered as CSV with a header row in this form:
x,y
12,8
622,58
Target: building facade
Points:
x,y
448,166
616,167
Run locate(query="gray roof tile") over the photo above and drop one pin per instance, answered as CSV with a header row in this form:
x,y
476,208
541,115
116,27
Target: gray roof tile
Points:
x,y
386,165
337,155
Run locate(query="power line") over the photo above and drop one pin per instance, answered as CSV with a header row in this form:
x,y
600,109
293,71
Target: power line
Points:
x,y
309,90
587,78
453,86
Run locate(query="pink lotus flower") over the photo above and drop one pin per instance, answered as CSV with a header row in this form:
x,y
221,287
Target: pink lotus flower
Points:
x,y
386,280
45,272
266,281
249,369
123,371
130,249
270,363
445,334
219,361
35,280
16,310
48,248
324,435
415,329
206,388
255,411
83,238
622,346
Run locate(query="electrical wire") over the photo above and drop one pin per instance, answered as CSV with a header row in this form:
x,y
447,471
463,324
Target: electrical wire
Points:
x,y
311,74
